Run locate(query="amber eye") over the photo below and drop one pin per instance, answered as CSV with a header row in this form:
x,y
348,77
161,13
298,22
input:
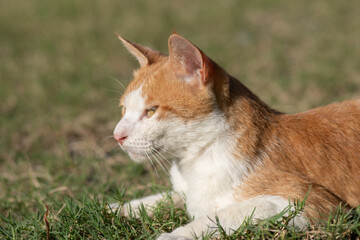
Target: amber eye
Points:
x,y
151,111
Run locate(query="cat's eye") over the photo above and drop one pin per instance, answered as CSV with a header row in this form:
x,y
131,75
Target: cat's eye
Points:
x,y
151,111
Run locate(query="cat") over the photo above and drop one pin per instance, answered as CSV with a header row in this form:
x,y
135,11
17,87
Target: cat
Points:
x,y
233,155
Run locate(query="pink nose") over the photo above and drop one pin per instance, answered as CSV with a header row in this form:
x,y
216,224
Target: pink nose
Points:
x,y
120,138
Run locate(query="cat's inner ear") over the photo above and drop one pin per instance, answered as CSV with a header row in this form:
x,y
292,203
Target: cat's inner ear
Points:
x,y
144,55
183,54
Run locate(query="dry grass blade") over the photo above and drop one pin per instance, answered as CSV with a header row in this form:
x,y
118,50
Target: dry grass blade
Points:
x,y
47,225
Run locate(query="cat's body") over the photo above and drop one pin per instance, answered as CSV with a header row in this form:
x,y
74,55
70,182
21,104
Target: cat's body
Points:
x,y
232,153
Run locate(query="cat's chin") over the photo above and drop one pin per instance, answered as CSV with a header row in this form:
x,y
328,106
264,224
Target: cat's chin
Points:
x,y
139,158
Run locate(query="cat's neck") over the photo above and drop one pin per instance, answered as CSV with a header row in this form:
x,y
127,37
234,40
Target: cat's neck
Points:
x,y
244,105
240,120
240,124
249,119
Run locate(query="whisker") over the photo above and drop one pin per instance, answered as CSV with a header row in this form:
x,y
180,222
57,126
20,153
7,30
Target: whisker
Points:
x,y
168,161
111,136
111,90
163,157
167,151
112,151
118,81
113,100
158,160
147,155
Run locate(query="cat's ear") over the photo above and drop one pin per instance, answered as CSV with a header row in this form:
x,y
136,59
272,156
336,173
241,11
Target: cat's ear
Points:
x,y
144,55
183,54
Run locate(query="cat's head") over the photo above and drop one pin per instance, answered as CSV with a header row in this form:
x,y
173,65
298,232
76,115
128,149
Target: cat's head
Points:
x,y
173,105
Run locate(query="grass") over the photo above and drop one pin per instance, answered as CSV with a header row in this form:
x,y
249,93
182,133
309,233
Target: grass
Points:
x,y
58,99
89,218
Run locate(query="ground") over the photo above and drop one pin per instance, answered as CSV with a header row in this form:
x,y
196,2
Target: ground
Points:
x,y
60,67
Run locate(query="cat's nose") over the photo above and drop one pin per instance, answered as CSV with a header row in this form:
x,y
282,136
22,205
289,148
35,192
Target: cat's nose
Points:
x,y
120,138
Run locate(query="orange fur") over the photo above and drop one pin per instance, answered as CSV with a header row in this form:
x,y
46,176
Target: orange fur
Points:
x,y
288,153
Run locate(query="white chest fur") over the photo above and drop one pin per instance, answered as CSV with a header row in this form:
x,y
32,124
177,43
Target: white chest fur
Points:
x,y
208,180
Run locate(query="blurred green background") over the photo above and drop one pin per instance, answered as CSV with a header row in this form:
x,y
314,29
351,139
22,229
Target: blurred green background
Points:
x,y
59,59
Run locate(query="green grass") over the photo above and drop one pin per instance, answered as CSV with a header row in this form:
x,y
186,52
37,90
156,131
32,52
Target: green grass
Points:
x,y
58,99
89,218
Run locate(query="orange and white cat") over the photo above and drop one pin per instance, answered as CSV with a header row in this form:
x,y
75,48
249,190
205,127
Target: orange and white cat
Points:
x,y
232,153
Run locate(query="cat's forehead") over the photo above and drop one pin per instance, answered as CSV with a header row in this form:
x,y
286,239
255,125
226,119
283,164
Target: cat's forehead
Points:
x,y
134,101
141,76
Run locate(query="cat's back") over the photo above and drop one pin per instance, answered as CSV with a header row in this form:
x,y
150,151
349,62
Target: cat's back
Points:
x,y
336,125
323,144
347,112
